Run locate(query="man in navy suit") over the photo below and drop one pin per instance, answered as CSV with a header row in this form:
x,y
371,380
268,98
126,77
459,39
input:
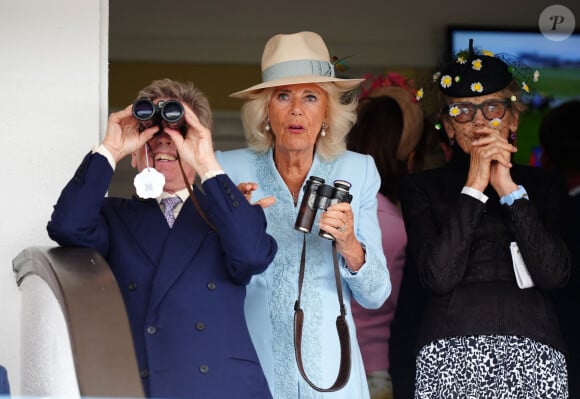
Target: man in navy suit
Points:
x,y
4,385
183,279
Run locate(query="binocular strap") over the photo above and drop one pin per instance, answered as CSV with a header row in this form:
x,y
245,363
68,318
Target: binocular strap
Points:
x,y
193,197
341,328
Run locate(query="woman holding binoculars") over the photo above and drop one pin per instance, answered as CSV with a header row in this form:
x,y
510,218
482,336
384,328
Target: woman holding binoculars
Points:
x,y
183,276
296,123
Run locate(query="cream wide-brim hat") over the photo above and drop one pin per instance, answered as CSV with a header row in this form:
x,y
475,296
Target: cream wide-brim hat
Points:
x,y
294,59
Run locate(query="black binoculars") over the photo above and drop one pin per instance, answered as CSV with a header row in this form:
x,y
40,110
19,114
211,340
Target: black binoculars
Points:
x,y
318,195
165,114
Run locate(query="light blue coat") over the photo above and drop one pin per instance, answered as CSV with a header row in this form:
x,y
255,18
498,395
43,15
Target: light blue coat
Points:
x,y
271,295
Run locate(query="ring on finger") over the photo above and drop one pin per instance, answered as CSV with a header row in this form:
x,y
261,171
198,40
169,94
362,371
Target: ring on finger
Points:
x,y
342,228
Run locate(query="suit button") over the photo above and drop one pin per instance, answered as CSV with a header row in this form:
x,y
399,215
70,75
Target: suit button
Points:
x,y
132,286
199,326
235,204
151,330
211,286
204,369
144,373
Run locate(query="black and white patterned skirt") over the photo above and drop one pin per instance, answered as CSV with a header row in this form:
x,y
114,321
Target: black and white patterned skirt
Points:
x,y
490,366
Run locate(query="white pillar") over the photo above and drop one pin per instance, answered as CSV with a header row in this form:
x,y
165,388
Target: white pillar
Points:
x,y
53,109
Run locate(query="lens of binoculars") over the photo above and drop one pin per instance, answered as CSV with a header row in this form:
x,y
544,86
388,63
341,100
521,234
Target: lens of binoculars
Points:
x,y
170,111
143,109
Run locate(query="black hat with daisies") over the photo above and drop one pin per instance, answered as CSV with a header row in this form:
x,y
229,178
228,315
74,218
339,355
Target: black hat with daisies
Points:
x,y
473,73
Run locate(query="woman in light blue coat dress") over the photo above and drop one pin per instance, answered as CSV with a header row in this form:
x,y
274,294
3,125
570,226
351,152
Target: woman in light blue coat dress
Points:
x,y
296,125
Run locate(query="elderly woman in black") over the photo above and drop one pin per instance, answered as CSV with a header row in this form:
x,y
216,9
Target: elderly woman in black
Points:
x,y
484,234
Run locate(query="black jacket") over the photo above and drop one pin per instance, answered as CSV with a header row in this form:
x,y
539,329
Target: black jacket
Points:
x,y
461,249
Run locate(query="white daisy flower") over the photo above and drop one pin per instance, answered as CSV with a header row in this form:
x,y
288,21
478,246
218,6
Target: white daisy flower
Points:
x,y
477,87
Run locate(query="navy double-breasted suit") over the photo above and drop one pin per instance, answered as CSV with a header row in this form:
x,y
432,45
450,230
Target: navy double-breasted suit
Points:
x,y
4,385
183,287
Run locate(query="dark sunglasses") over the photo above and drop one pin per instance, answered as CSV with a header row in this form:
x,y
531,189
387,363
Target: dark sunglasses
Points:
x,y
465,112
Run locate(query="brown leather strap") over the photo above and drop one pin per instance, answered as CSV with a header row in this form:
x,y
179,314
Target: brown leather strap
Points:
x,y
341,327
193,197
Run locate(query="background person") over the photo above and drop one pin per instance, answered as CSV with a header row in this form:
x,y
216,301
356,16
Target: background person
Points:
x,y
484,333
296,122
389,127
183,279
560,142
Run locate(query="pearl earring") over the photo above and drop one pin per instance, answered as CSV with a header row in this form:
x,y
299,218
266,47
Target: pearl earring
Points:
x,y
323,130
267,126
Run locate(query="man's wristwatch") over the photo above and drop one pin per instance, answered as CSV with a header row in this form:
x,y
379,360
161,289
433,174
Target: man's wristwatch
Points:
x,y
514,195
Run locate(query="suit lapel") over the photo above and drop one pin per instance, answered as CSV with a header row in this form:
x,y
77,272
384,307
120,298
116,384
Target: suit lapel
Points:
x,y
183,243
146,226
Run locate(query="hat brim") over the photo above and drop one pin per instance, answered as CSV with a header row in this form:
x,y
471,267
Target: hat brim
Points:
x,y
344,84
412,118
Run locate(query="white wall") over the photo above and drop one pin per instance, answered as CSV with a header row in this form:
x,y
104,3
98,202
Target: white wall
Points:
x,y
53,106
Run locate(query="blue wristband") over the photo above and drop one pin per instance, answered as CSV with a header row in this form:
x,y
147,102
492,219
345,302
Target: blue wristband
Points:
x,y
514,195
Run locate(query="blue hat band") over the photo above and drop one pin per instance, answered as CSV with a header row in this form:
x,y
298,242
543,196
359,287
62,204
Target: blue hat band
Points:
x,y
288,69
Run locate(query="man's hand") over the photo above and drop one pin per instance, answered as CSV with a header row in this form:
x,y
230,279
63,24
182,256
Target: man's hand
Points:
x,y
122,136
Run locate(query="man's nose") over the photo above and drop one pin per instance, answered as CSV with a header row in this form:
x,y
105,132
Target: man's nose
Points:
x,y
162,138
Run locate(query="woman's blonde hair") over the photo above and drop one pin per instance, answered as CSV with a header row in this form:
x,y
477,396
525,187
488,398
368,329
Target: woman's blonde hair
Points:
x,y
341,116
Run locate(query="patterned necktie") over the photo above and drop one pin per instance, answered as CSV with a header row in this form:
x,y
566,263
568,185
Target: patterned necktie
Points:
x,y
169,204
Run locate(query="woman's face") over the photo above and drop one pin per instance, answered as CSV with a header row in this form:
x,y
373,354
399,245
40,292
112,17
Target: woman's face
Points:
x,y
492,114
296,114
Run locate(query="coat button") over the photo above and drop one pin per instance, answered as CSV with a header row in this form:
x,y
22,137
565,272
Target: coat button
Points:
x,y
144,373
204,369
235,204
132,286
211,286
199,326
151,330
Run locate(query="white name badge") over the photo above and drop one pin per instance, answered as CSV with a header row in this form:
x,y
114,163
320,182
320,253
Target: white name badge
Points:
x,y
149,183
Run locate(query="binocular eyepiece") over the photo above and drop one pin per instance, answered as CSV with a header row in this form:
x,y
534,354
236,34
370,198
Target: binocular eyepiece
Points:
x,y
165,114
318,195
